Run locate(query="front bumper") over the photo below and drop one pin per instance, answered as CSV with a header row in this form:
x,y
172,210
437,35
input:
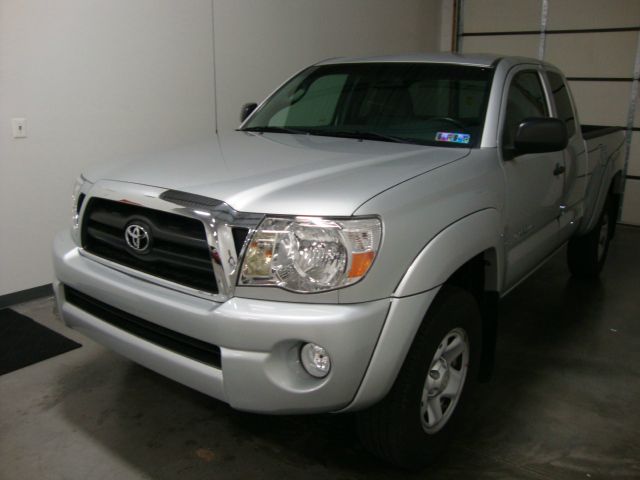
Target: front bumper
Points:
x,y
259,340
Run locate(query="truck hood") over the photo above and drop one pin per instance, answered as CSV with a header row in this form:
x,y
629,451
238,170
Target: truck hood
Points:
x,y
282,173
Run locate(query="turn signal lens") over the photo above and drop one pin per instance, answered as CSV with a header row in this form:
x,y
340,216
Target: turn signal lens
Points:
x,y
360,264
259,254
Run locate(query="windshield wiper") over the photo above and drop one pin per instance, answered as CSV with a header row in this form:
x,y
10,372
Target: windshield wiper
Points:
x,y
333,133
267,129
364,136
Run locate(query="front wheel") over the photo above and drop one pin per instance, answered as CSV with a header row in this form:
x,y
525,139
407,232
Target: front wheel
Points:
x,y
418,417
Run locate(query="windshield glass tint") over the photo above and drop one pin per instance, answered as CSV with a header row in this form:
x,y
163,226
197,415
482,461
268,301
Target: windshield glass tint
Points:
x,y
431,104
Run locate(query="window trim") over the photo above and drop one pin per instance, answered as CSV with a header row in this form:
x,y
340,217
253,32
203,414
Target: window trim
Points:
x,y
556,112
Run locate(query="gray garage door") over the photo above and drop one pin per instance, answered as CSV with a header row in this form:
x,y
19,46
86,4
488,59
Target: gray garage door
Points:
x,y
595,42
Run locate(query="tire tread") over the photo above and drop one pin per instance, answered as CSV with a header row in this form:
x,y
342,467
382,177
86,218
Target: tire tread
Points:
x,y
378,427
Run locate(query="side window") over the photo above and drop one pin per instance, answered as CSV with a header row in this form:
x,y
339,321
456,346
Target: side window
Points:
x,y
525,99
315,106
563,102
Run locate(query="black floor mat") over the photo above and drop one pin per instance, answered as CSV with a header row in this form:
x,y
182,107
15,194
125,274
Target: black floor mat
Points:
x,y
24,342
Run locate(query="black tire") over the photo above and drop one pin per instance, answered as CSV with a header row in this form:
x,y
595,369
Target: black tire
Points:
x,y
393,429
586,254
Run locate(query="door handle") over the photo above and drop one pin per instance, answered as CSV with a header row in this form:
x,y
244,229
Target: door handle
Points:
x,y
559,170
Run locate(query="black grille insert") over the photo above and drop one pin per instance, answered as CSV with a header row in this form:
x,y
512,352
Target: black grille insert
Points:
x,y
180,252
176,342
81,198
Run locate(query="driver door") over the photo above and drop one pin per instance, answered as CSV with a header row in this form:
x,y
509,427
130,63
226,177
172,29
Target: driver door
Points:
x,y
534,182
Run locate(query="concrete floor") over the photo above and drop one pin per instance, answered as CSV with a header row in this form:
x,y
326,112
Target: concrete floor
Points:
x,y
564,403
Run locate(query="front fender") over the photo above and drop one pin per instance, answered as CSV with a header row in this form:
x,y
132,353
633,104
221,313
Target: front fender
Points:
x,y
453,247
438,260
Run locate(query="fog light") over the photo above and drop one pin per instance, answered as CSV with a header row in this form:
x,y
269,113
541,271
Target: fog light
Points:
x,y
315,360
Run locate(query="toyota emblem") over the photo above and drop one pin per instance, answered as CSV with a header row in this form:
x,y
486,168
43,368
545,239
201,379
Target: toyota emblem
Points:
x,y
138,238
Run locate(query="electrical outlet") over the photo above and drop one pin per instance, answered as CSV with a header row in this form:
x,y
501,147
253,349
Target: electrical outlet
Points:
x,y
19,127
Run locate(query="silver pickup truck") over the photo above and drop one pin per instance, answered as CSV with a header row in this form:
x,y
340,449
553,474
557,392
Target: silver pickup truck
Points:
x,y
345,248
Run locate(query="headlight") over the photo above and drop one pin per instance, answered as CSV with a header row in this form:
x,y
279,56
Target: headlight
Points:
x,y
311,254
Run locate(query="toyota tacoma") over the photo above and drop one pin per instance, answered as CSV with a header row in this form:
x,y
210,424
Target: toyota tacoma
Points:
x,y
345,248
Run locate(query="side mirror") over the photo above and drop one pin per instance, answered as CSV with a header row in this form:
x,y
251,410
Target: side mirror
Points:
x,y
540,135
246,110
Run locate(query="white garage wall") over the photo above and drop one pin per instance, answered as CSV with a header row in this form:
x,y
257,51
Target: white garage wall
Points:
x,y
95,80
98,79
260,43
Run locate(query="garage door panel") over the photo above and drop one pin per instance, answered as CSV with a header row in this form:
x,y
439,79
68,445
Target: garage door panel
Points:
x,y
581,14
605,57
503,16
602,103
593,55
631,207
522,45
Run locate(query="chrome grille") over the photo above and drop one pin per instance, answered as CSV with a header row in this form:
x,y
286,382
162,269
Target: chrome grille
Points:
x,y
179,253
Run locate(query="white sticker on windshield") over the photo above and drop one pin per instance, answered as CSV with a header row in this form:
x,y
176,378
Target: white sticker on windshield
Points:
x,y
453,137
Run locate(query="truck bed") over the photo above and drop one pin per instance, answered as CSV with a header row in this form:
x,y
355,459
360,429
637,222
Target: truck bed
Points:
x,y
590,132
604,146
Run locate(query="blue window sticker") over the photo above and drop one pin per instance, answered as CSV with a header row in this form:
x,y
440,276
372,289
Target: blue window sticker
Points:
x,y
453,137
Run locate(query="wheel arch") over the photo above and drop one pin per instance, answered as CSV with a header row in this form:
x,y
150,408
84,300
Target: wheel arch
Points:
x,y
469,245
617,183
465,254
614,189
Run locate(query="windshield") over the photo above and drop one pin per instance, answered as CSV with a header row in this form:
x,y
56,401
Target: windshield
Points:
x,y
422,103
